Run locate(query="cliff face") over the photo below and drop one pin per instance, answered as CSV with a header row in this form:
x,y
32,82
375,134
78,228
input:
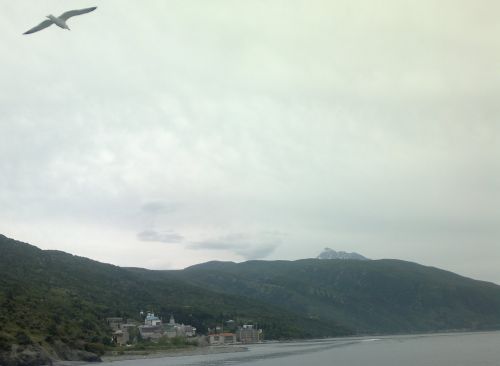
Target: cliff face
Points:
x,y
37,355
25,355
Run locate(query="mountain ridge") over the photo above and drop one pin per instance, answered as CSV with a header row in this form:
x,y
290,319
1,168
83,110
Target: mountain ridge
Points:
x,y
329,253
65,299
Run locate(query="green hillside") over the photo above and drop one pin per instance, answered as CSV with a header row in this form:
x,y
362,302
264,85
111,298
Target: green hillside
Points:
x,y
54,300
56,304
382,296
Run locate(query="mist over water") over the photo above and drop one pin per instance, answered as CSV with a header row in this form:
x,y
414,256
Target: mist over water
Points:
x,y
461,349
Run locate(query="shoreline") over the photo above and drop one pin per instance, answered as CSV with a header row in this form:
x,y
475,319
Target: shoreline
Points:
x,y
142,355
207,350
219,349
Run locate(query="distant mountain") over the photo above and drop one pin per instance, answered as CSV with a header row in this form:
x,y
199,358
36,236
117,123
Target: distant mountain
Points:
x,y
332,254
54,304
375,296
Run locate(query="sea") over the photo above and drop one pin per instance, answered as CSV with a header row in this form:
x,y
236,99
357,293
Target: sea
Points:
x,y
451,349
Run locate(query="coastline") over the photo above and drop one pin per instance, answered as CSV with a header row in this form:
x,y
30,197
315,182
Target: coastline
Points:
x,y
138,355
176,353
207,350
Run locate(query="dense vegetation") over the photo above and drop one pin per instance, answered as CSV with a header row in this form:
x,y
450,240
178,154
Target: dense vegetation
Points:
x,y
383,296
50,299
57,301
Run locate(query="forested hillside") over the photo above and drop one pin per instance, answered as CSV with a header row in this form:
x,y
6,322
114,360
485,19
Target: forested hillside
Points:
x,y
55,302
383,296
49,298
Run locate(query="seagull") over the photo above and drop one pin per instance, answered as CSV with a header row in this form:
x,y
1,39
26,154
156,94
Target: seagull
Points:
x,y
60,21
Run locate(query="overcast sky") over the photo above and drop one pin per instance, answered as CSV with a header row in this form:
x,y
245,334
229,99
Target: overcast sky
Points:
x,y
161,134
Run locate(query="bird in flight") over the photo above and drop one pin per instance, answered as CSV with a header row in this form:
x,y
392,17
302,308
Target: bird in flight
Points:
x,y
60,21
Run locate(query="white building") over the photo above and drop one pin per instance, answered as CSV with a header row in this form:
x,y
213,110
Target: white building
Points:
x,y
152,327
152,319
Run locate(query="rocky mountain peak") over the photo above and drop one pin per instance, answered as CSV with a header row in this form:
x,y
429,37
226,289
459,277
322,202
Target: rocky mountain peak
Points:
x,y
329,253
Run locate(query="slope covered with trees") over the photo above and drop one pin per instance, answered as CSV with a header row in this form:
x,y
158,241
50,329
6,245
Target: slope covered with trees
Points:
x,y
382,296
59,302
55,304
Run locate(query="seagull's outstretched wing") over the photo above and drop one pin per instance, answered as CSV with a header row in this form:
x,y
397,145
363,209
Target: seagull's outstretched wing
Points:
x,y
42,25
65,16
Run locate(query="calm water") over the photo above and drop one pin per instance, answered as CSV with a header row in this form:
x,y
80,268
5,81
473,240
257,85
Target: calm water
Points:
x,y
471,349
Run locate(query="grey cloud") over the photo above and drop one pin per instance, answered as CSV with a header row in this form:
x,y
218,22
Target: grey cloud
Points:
x,y
247,246
212,245
164,237
370,132
256,252
159,207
